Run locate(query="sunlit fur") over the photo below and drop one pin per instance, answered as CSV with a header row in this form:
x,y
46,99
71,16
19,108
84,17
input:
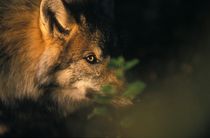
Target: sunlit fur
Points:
x,y
35,63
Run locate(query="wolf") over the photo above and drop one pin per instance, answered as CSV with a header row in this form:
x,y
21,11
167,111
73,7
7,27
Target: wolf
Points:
x,y
55,51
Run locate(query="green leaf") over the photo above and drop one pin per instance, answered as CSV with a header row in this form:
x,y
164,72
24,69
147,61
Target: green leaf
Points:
x,y
117,63
105,100
108,90
129,65
134,89
119,73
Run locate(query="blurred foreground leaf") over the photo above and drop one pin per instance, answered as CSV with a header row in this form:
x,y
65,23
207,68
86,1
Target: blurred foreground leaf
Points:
x,y
134,89
103,100
129,65
108,90
117,62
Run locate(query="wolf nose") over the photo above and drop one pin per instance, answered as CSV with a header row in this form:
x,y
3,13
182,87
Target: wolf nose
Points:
x,y
90,93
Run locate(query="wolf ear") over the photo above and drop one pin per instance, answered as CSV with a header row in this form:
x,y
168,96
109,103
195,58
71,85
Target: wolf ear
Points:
x,y
54,18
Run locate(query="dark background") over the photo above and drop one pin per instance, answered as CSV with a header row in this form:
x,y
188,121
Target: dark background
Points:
x,y
171,38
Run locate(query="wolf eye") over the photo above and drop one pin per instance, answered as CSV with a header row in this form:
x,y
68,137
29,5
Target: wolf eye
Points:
x,y
91,59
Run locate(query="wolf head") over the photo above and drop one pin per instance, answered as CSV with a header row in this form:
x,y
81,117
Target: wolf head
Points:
x,y
61,53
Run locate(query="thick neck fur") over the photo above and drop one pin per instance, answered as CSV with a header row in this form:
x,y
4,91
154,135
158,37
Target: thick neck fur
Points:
x,y
19,32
